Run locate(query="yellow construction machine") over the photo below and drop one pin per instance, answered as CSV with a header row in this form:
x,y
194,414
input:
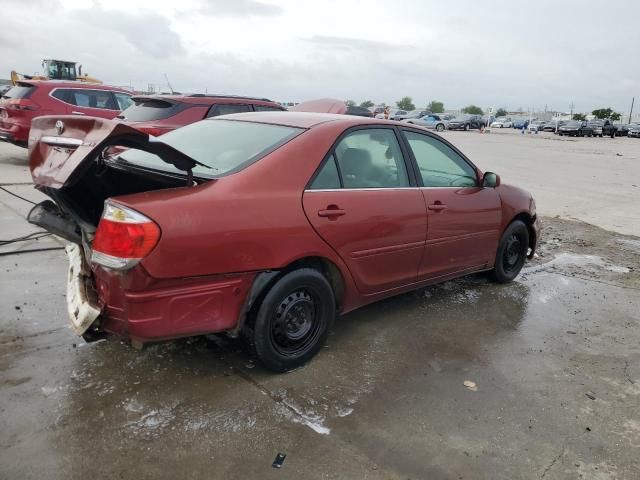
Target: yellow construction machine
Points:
x,y
57,70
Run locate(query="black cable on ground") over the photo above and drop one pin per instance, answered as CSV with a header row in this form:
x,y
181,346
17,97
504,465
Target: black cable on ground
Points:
x,y
17,196
2,254
31,236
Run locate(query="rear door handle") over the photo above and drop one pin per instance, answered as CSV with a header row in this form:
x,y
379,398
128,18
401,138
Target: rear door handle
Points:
x,y
437,207
331,211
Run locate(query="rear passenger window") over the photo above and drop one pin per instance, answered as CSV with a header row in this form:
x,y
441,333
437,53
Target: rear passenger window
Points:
x,y
123,100
87,98
266,108
371,159
222,109
327,178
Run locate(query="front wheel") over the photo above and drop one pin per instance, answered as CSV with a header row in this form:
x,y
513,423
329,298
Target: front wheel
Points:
x,y
439,127
512,252
292,322
467,127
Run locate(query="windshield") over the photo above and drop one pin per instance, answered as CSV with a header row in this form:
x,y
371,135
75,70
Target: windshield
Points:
x,y
225,146
573,123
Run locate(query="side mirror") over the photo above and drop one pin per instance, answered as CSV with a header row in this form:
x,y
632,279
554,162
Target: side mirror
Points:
x,y
490,180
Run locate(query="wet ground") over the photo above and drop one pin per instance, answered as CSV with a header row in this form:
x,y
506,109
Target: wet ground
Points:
x,y
551,363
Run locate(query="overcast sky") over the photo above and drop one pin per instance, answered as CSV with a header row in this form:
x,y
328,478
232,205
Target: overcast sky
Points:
x,y
513,54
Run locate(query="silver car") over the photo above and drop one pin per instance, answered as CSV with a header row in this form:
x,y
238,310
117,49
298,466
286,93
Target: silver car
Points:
x,y
436,121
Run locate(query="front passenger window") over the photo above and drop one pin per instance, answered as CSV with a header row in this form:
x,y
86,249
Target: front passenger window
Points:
x,y
371,159
439,164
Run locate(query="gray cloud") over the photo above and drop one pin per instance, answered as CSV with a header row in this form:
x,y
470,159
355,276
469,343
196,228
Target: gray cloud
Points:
x,y
237,8
149,33
347,43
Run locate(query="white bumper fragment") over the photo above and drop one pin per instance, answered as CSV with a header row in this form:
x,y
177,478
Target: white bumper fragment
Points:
x,y
81,299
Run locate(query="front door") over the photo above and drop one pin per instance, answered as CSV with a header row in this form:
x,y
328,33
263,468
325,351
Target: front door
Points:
x,y
362,204
463,219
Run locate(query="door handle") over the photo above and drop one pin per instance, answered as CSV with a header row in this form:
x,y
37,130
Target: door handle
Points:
x,y
76,113
437,207
331,211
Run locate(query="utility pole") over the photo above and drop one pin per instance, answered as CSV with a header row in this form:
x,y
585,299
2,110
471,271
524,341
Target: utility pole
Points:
x,y
633,100
571,107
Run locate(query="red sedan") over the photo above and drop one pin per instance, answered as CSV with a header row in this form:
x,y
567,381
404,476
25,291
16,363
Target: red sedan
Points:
x,y
265,225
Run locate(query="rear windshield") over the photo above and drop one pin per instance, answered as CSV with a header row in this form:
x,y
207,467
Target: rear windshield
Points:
x,y
225,146
149,109
19,92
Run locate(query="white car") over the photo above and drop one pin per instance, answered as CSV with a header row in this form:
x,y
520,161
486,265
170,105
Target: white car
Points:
x,y
502,123
536,126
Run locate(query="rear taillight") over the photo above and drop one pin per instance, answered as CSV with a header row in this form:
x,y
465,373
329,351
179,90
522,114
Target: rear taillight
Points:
x,y
124,237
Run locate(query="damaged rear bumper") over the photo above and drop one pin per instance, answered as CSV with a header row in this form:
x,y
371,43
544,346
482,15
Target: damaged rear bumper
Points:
x,y
144,309
82,304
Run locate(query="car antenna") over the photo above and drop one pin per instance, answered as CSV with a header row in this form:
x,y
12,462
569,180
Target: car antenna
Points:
x,y
168,83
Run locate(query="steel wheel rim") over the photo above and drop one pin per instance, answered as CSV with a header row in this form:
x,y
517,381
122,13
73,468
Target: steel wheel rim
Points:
x,y
296,323
513,253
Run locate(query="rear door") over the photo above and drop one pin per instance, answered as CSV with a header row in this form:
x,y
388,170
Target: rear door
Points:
x,y
364,205
463,219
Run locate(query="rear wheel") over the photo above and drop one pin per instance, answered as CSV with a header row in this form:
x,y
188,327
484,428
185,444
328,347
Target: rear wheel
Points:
x,y
439,127
466,127
293,320
512,252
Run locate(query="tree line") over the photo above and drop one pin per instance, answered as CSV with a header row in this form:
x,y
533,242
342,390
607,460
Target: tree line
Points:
x,y
435,106
406,103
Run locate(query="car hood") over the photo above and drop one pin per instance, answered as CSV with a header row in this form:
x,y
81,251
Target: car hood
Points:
x,y
61,148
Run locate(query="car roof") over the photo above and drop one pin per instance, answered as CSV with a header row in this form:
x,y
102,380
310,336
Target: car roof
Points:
x,y
201,98
304,119
71,84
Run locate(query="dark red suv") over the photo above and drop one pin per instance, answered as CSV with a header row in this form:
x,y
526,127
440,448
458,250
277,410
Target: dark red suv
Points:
x,y
31,99
158,114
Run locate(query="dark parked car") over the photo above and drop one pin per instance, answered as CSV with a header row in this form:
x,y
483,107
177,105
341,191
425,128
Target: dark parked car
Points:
x,y
603,128
33,98
622,129
467,122
520,124
575,128
159,114
265,224
359,111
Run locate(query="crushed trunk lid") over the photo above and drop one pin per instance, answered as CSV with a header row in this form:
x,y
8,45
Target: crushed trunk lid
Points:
x,y
61,148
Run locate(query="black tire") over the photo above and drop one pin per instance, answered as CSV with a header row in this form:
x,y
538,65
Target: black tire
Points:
x,y
511,253
439,127
466,127
293,320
